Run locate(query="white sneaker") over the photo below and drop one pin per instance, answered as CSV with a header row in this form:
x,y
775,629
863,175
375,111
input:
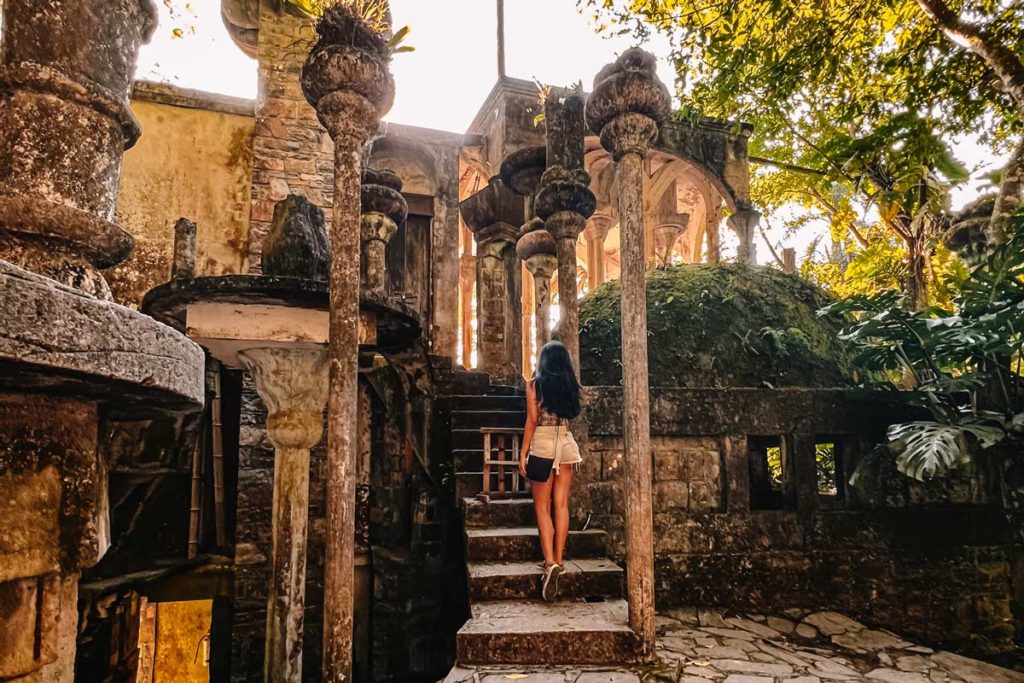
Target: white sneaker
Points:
x,y
549,589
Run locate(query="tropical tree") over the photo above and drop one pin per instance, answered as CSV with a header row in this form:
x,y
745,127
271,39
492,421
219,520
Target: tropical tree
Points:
x,y
856,99
963,368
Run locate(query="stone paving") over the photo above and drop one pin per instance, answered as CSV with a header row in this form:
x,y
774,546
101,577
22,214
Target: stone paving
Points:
x,y
708,646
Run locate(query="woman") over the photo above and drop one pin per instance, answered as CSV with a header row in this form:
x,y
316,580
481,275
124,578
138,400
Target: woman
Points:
x,y
549,453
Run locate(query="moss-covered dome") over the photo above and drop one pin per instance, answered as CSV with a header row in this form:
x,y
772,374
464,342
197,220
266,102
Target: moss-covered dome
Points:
x,y
722,325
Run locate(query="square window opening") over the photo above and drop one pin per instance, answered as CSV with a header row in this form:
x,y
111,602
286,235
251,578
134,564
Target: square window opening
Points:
x,y
828,467
768,472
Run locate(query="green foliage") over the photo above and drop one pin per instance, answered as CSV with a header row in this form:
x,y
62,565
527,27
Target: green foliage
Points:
x,y
882,266
855,101
773,456
963,366
771,62
376,14
718,325
825,457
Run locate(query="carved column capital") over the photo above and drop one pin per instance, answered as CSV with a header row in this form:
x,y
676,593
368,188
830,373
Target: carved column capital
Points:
x,y
627,104
293,385
744,223
599,225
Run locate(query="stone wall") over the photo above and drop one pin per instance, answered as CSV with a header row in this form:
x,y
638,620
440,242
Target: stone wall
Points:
x,y
293,153
935,562
194,159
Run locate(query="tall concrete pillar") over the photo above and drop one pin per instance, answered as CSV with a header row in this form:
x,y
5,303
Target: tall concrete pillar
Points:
x,y
625,108
383,209
347,80
564,202
537,248
467,283
494,215
66,71
65,123
293,384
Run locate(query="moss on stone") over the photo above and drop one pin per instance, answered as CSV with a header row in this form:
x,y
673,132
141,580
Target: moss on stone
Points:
x,y
724,325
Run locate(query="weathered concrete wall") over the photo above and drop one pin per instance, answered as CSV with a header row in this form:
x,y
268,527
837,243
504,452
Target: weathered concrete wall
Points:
x,y
932,561
194,159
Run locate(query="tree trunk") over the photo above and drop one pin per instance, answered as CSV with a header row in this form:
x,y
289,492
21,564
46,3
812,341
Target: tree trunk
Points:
x,y
916,283
1008,66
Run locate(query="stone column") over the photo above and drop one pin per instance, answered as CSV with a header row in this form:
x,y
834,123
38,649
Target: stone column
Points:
x,y
789,260
521,171
383,209
53,507
346,79
497,346
625,109
65,122
537,248
596,232
293,385
467,283
292,154
183,266
565,202
714,233
493,215
744,223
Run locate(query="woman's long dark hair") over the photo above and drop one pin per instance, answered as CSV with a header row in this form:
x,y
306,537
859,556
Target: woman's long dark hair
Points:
x,y
555,382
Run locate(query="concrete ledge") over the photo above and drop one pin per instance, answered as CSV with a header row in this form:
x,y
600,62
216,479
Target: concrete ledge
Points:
x,y
174,96
726,411
56,339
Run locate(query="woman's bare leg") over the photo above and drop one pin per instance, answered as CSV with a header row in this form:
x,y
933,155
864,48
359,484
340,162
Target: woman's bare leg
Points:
x,y
545,529
563,482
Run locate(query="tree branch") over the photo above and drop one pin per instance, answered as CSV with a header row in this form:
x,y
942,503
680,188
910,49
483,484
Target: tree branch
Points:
x,y
782,165
1008,66
833,210
771,247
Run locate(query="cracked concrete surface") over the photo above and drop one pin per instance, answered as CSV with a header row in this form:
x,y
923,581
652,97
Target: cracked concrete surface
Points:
x,y
797,646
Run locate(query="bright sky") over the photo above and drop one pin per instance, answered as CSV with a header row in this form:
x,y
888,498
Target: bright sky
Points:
x,y
440,85
443,83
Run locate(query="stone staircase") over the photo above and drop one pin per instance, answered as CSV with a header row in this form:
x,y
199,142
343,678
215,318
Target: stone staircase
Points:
x,y
509,622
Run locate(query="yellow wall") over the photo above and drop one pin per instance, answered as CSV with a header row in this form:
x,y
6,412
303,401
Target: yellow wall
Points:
x,y
193,163
180,628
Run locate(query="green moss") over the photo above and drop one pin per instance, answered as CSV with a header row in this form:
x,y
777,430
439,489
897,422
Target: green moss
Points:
x,y
724,325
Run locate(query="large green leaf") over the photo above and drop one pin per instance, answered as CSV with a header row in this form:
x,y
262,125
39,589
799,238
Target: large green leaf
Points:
x,y
925,450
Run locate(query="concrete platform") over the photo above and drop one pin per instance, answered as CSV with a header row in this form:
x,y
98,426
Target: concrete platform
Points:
x,y
713,646
506,632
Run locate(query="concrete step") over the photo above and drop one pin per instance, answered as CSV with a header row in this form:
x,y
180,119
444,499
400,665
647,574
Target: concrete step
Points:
x,y
475,419
512,512
599,578
521,544
517,632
